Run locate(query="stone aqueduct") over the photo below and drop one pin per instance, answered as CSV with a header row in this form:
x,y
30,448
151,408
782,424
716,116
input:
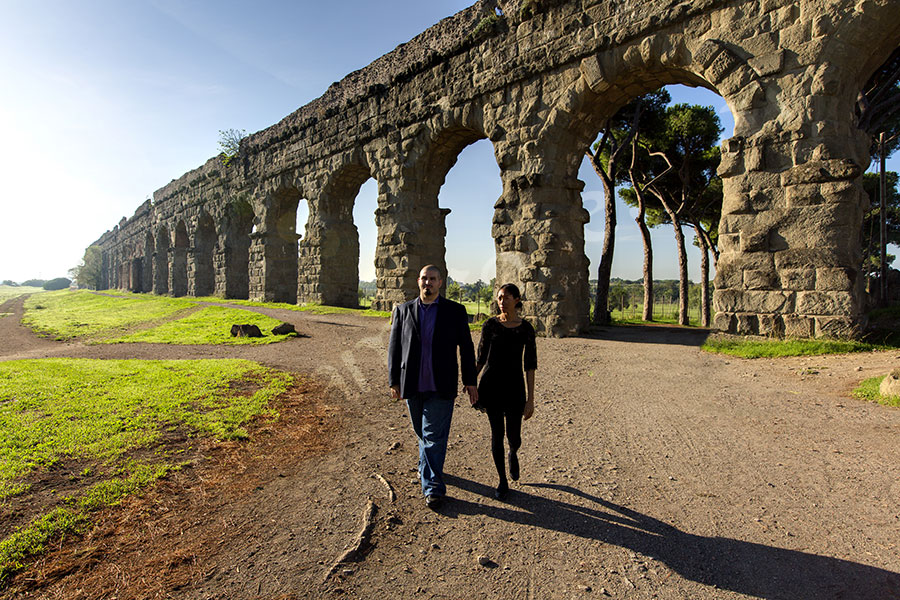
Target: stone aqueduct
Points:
x,y
538,78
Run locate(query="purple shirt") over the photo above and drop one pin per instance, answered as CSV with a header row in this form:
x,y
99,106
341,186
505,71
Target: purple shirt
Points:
x,y
427,318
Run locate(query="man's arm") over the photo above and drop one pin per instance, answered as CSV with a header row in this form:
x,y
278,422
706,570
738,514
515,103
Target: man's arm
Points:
x,y
395,353
467,357
466,351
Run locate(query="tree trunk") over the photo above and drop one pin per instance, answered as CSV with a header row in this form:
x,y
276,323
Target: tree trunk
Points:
x,y
648,253
604,270
704,277
682,264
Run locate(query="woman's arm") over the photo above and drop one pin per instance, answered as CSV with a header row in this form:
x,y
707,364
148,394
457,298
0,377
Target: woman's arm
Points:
x,y
529,401
484,347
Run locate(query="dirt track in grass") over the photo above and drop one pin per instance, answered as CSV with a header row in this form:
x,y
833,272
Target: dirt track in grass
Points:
x,y
650,470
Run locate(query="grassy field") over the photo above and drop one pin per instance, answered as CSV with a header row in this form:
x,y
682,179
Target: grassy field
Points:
x,y
95,414
8,292
662,313
124,318
755,348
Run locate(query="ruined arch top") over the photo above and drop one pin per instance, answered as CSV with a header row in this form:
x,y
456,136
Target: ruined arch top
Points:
x,y
537,78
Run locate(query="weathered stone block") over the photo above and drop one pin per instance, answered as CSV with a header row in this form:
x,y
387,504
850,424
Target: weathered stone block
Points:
x,y
767,64
754,240
826,303
756,279
800,258
724,321
797,279
830,279
771,325
722,64
836,327
747,324
796,326
729,242
821,171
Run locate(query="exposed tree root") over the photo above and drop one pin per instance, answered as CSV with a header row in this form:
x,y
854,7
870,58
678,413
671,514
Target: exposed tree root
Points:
x,y
390,489
354,551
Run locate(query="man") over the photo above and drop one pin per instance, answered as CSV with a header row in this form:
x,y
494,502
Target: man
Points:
x,y
422,365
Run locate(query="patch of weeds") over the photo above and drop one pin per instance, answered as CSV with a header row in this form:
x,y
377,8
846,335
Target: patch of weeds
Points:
x,y
486,27
756,348
99,410
32,539
870,389
74,516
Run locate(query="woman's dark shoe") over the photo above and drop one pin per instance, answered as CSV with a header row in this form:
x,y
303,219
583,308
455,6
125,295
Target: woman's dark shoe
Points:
x,y
501,491
513,466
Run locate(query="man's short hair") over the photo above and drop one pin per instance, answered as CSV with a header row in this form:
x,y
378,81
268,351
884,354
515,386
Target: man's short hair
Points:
x,y
432,268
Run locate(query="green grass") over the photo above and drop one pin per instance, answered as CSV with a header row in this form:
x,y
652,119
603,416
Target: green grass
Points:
x,y
753,348
209,325
663,313
98,411
868,389
8,292
66,314
112,317
316,309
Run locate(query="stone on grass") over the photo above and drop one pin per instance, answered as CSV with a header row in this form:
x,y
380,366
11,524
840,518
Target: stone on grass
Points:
x,y
283,329
890,385
245,330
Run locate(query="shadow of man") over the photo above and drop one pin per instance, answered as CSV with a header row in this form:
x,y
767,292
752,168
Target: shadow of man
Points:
x,y
744,567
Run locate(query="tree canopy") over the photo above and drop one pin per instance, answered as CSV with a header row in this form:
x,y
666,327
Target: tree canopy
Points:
x,y
878,105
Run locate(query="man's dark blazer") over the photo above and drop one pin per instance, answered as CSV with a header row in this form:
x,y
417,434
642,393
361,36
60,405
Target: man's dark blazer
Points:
x,y
451,331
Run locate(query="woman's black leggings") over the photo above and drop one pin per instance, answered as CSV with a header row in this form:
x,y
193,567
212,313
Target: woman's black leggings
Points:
x,y
513,422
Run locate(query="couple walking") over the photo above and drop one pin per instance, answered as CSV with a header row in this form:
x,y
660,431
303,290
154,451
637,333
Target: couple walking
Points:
x,y
423,369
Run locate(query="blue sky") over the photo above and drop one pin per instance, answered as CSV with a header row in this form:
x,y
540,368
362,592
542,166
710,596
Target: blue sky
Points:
x,y
105,101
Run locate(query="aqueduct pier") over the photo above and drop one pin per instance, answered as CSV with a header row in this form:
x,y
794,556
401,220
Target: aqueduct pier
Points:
x,y
538,79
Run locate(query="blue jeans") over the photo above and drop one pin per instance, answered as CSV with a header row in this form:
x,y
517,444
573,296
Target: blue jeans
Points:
x,y
430,415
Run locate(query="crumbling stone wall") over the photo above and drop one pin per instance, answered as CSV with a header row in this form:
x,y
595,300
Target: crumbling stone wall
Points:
x,y
538,79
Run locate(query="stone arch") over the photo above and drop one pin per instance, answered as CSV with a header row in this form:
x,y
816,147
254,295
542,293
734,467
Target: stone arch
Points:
x,y
204,248
420,225
161,266
273,247
238,225
329,254
600,86
149,248
179,274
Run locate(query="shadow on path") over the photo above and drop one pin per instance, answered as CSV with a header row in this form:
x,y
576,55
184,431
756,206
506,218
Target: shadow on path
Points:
x,y
744,567
650,334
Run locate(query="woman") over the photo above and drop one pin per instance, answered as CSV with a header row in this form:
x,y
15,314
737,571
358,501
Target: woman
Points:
x,y
507,397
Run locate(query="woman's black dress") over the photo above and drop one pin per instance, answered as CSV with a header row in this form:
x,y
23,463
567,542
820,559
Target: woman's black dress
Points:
x,y
505,353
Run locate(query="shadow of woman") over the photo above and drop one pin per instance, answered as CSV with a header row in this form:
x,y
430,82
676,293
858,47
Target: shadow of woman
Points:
x,y
744,567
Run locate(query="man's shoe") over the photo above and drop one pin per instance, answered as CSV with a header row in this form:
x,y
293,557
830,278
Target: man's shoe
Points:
x,y
513,466
433,501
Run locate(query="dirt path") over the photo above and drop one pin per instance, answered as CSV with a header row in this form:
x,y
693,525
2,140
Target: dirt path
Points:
x,y
650,470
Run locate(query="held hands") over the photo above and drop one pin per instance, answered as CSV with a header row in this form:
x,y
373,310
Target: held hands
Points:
x,y
473,394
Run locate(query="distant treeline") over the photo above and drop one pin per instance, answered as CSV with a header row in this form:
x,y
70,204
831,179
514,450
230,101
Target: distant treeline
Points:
x,y
60,283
